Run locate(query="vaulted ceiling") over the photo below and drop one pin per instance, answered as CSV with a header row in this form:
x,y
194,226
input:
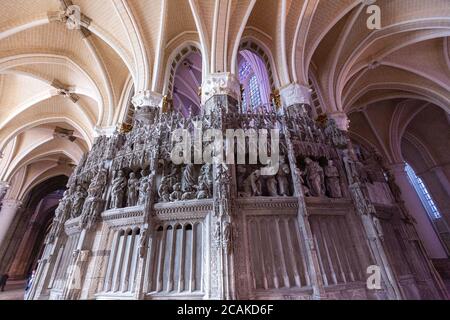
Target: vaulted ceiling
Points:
x,y
77,81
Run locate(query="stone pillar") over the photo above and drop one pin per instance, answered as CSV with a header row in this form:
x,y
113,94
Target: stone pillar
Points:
x,y
147,105
415,208
4,186
295,98
7,213
295,94
341,120
147,109
220,96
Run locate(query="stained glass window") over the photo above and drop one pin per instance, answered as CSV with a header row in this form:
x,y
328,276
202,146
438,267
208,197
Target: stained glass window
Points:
x,y
423,193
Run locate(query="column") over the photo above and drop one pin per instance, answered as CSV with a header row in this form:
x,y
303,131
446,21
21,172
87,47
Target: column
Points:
x,y
221,95
295,94
415,208
7,213
341,120
295,97
4,186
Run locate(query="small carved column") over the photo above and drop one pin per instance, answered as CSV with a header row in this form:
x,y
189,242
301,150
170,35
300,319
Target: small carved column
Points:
x,y
221,94
295,99
148,112
4,186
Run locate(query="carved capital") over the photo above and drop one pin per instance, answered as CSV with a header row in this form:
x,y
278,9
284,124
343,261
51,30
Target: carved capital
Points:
x,y
341,120
224,83
104,131
295,94
11,204
146,98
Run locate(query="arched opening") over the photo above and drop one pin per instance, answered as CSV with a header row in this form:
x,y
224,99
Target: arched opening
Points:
x,y
25,240
185,79
256,83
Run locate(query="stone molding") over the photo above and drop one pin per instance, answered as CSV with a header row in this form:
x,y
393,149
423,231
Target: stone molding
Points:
x,y
11,203
146,98
341,120
294,93
224,83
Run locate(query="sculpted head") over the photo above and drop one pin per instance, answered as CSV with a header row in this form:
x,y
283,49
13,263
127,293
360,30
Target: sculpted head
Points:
x,y
132,175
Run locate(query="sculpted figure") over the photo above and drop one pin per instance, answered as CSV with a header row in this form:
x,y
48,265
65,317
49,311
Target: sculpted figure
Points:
x,y
205,182
217,231
335,134
282,178
119,185
332,180
252,185
143,243
61,215
164,189
133,188
227,236
92,205
177,194
203,191
272,186
188,181
78,201
189,194
143,188
314,178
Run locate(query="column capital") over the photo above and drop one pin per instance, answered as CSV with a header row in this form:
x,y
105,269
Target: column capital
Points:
x,y
397,167
223,83
11,204
295,93
146,98
104,131
341,120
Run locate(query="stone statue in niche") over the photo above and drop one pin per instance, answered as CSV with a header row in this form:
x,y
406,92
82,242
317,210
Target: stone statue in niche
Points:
x,y
252,185
177,194
227,237
335,134
61,215
133,189
315,178
92,205
188,180
143,239
332,180
164,189
282,178
78,201
203,190
144,186
189,193
205,182
216,234
119,185
272,186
